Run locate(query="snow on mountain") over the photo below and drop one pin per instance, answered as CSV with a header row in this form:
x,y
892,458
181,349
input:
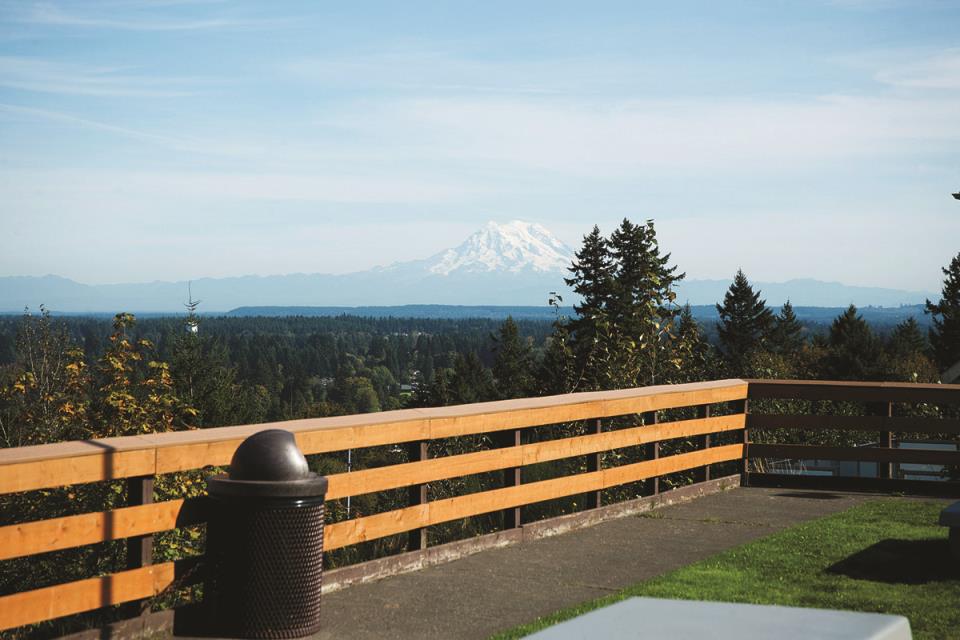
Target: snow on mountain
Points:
x,y
516,263
513,247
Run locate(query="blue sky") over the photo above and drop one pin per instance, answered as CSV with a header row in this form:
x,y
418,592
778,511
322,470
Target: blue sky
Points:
x,y
178,139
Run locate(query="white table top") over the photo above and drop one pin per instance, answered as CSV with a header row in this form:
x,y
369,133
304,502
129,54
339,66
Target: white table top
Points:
x,y
698,620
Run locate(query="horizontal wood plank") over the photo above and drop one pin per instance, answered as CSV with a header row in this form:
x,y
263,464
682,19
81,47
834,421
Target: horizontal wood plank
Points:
x,y
98,466
30,607
903,424
30,538
850,483
855,391
341,534
861,454
397,476
90,528
53,465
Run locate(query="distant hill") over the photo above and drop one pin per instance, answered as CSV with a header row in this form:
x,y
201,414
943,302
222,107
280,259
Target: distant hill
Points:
x,y
440,311
879,317
515,264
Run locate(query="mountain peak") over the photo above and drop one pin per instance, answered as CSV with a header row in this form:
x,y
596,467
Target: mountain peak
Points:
x,y
511,246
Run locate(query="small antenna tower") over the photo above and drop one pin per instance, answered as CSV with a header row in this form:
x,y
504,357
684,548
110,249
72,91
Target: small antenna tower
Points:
x,y
193,323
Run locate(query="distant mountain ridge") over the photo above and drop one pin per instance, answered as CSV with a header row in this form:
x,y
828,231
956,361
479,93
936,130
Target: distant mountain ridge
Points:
x,y
515,263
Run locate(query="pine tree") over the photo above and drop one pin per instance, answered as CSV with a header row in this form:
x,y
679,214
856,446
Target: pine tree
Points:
x,y
513,365
555,373
471,381
906,355
591,279
853,349
622,334
906,339
643,279
945,332
744,325
642,309
693,353
786,338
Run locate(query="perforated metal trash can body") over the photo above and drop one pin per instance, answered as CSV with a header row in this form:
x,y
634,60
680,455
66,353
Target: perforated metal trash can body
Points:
x,y
265,547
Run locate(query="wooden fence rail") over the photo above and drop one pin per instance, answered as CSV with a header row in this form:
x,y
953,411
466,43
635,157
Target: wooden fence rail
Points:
x,y
58,465
141,458
887,407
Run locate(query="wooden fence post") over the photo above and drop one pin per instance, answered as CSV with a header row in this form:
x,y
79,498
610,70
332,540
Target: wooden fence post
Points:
x,y
652,452
417,538
511,477
594,461
743,406
139,548
703,473
885,469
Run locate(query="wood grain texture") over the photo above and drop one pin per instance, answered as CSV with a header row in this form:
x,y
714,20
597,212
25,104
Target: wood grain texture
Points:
x,y
49,603
341,534
396,476
53,465
56,471
72,531
29,538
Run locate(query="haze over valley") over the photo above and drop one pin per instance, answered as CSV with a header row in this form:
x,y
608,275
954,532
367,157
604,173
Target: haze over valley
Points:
x,y
515,263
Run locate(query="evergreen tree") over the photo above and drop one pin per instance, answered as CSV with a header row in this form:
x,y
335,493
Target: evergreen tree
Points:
x,y
471,381
693,353
205,380
906,359
592,280
945,333
555,374
786,338
621,336
853,349
643,279
513,366
744,325
906,339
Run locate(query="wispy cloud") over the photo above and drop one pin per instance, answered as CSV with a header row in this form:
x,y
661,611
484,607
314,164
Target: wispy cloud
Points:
x,y
220,187
177,143
44,76
617,139
938,70
415,70
54,15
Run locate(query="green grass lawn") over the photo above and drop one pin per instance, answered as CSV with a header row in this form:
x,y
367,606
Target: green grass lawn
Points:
x,y
886,556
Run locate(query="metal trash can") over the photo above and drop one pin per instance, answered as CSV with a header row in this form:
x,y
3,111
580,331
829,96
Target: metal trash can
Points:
x,y
265,542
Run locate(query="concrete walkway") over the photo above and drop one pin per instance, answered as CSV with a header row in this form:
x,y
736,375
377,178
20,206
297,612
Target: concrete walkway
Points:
x,y
498,589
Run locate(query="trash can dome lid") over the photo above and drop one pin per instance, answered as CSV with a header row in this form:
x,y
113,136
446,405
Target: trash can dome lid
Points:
x,y
269,455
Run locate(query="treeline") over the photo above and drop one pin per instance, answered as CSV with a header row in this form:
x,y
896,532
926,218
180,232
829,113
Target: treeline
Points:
x,y
627,331
243,370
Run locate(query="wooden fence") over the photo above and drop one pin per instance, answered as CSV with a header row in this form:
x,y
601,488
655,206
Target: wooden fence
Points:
x,y
721,408
887,413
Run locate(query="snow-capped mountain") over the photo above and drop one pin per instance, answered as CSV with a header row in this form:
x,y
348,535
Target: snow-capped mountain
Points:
x,y
514,246
515,263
